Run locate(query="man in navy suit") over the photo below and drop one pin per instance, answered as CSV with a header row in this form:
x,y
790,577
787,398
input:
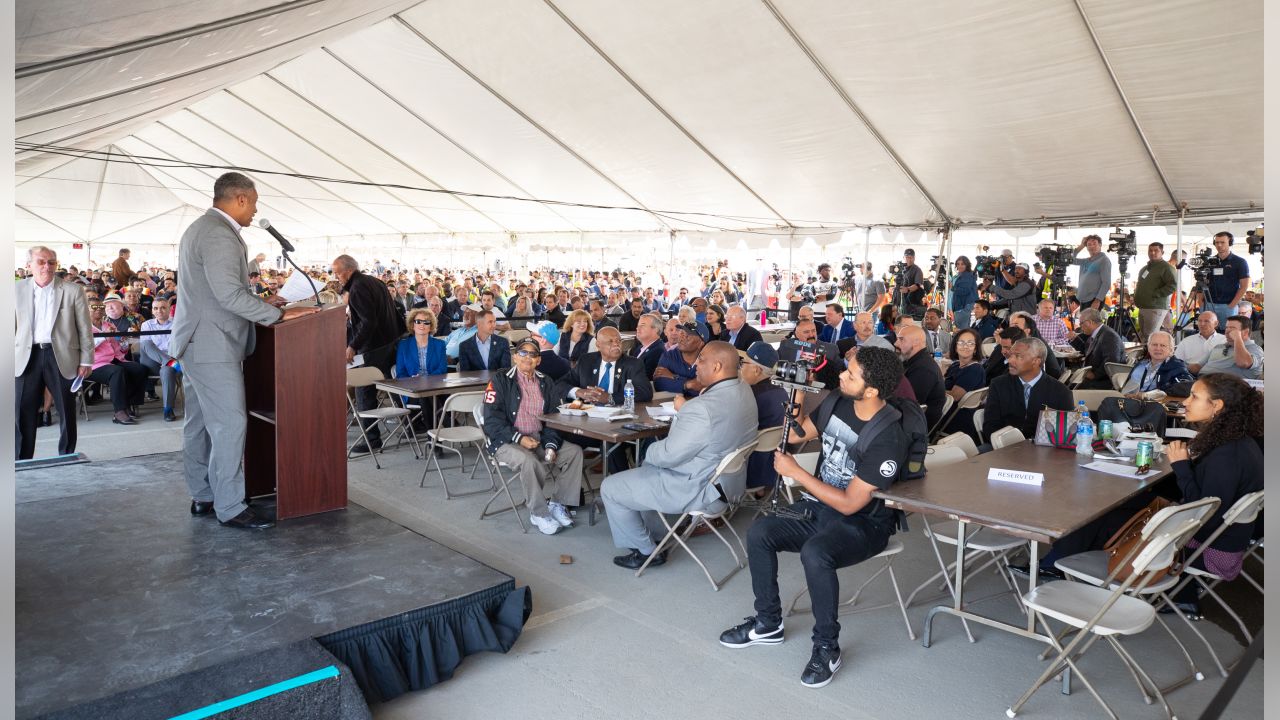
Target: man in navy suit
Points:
x,y
485,350
739,334
837,327
648,347
601,376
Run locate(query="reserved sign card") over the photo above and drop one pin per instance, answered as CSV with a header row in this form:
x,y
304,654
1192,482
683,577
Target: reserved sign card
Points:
x,y
1021,477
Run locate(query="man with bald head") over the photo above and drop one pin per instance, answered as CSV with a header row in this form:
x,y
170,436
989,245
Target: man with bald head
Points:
x,y
738,333
1194,350
674,475
922,372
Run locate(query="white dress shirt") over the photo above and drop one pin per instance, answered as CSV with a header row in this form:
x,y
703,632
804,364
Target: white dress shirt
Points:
x,y
230,221
45,308
160,341
1195,349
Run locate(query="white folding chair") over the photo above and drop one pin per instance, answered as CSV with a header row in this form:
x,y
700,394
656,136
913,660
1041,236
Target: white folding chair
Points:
x,y
364,377
1244,511
947,405
978,416
988,346
960,440
1093,398
1118,379
1091,567
453,439
1006,436
1133,354
1077,377
890,550
1065,377
503,482
732,463
1103,613
942,455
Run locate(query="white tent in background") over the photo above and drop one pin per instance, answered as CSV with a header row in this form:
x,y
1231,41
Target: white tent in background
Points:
x,y
721,121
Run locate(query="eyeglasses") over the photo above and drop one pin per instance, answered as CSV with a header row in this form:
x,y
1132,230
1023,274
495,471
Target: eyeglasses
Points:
x,y
965,343
526,353
96,306
428,323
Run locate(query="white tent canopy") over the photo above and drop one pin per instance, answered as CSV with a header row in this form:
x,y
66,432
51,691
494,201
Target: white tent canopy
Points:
x,y
767,119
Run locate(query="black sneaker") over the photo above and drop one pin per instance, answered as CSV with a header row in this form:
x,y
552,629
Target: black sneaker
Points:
x,y
822,666
751,632
1047,572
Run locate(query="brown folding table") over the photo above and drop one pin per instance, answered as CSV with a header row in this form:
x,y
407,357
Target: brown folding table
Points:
x,y
1070,498
608,432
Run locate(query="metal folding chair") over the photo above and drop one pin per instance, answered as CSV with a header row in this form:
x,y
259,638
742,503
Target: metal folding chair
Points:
x,y
960,440
1005,437
502,482
364,377
847,607
732,463
446,438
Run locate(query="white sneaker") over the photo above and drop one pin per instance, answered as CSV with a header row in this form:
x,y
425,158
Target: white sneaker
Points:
x,y
546,524
560,513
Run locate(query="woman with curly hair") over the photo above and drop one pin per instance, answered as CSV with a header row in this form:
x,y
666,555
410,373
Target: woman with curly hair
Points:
x,y
1223,461
575,336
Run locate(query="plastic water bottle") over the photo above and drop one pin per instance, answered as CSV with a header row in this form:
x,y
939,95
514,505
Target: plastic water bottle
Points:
x,y
1084,432
629,397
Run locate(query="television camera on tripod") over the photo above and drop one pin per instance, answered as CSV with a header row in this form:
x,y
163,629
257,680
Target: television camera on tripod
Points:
x,y
1125,246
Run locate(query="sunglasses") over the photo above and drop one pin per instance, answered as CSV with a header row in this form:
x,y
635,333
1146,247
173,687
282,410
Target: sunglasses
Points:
x,y
96,306
422,322
527,353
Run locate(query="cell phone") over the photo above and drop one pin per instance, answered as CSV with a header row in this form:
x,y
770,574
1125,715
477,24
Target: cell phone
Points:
x,y
640,427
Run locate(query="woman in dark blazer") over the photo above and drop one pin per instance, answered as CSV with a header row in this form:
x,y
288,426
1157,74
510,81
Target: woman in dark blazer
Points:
x,y
576,336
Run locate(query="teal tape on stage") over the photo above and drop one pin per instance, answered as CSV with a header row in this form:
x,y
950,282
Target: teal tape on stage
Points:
x,y
268,691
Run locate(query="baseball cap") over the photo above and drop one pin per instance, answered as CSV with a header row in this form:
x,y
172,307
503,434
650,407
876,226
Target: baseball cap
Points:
x,y
473,307
761,353
546,330
112,297
1006,252
909,252
531,343
699,329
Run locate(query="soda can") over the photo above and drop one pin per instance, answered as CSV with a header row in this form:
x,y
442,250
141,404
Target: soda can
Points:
x,y
1104,429
1143,459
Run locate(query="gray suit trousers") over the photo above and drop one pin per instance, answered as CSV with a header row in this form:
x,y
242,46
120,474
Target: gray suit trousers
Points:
x,y
213,435
632,501
156,362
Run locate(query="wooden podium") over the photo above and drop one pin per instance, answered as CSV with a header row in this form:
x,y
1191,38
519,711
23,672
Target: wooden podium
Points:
x,y
295,390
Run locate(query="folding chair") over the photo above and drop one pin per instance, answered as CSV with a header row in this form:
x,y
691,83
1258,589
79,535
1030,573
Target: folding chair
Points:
x,y
946,409
1077,377
1091,567
891,549
732,463
971,400
1102,613
364,377
501,481
1133,354
978,416
1093,398
1006,436
988,346
1065,377
446,438
81,405
767,440
960,440
1245,510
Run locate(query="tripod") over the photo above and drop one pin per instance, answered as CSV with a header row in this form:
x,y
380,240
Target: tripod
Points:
x,y
772,505
1120,321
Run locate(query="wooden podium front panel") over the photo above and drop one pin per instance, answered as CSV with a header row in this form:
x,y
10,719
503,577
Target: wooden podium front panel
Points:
x,y
297,417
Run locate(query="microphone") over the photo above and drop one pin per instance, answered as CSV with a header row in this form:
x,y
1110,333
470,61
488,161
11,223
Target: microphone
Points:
x,y
265,224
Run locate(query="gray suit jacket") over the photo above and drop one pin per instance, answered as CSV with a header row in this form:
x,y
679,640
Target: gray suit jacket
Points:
x,y
72,335
707,429
216,311
944,341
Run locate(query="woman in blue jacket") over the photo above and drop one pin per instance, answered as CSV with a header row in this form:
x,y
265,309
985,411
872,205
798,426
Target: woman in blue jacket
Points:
x,y
421,353
964,292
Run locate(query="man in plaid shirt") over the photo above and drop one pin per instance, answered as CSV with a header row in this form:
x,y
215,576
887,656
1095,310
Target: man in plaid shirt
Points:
x,y
1052,329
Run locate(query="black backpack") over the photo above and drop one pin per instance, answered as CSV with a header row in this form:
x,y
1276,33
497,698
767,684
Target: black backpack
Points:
x,y
914,425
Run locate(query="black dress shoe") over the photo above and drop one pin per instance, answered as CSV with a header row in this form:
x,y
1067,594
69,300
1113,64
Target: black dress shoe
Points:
x,y
360,448
249,520
121,418
1047,572
169,416
634,559
200,507
46,418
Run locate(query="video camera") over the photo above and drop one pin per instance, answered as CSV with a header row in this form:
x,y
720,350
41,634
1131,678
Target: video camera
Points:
x,y
797,362
987,266
1255,240
1124,244
1056,255
1204,263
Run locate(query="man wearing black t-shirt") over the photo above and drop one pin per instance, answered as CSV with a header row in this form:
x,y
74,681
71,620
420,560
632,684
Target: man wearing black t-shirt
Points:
x,y
844,524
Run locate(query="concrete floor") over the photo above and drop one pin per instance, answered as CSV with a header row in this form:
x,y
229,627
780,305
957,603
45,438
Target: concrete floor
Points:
x,y
603,641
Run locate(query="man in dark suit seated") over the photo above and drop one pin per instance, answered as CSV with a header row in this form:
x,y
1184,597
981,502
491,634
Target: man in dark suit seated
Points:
x,y
740,334
598,317
922,371
1100,345
601,376
485,350
648,347
998,363
1016,398
837,327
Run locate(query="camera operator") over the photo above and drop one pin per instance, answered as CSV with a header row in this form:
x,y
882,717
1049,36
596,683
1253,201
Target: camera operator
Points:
x,y
910,286
1095,273
844,523
1156,284
1006,266
1228,282
1021,295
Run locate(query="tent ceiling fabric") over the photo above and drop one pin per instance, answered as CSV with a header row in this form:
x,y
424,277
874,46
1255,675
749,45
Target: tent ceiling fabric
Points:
x,y
720,115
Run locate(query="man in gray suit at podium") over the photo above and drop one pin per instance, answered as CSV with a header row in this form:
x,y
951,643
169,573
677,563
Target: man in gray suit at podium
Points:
x,y
212,336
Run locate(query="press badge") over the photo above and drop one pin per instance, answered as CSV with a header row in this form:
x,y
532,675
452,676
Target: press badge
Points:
x,y
1217,271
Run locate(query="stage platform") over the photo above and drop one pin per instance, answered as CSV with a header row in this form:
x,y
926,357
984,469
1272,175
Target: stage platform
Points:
x,y
118,587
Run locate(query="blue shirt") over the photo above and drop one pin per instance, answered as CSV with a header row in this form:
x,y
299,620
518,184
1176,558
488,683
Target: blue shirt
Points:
x,y
964,290
674,361
483,346
1224,282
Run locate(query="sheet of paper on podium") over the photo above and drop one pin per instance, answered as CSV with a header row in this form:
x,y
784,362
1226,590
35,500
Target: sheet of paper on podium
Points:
x,y
296,288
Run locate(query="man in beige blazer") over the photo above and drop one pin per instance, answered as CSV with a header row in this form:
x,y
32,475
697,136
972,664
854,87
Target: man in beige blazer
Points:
x,y
52,345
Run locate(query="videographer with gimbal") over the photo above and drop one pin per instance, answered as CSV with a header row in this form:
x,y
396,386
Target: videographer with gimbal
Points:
x,y
910,286
1095,274
1228,281
1021,295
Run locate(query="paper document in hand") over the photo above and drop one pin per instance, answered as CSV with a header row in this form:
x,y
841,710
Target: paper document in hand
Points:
x,y
356,362
296,288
